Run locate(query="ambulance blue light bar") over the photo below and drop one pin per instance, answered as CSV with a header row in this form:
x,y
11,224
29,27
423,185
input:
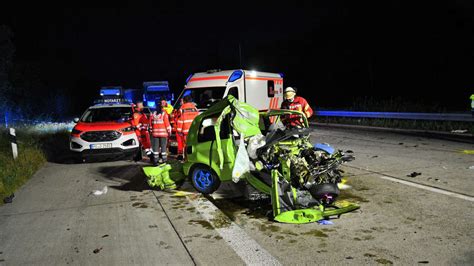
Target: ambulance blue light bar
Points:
x,y
235,75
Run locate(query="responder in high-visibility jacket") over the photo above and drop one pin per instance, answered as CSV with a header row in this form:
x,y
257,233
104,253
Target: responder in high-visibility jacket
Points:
x,y
293,102
141,123
164,105
187,113
160,132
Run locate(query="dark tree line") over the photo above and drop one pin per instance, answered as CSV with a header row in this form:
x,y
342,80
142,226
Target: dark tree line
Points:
x,y
23,93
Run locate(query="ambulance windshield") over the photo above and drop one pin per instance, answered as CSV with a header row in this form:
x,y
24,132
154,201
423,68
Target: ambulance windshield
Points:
x,y
204,97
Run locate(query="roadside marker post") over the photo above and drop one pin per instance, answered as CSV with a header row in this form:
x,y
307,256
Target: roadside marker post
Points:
x,y
14,144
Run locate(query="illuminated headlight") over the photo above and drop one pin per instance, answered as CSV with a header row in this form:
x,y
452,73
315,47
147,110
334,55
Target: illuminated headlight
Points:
x,y
74,131
127,129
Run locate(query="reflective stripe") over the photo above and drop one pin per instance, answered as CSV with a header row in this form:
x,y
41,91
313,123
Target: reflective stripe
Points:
x,y
188,121
208,78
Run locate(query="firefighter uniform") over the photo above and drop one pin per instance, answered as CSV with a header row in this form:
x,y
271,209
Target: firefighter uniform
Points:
x,y
298,104
187,113
160,131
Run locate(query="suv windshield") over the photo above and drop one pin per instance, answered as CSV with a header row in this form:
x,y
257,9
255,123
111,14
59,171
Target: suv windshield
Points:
x,y
204,97
107,114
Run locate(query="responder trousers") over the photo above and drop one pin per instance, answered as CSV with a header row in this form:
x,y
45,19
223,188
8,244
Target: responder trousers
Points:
x,y
180,141
159,146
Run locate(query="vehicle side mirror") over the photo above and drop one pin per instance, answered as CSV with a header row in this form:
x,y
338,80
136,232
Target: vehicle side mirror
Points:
x,y
76,120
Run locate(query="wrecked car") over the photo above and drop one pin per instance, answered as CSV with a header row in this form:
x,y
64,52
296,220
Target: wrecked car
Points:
x,y
233,142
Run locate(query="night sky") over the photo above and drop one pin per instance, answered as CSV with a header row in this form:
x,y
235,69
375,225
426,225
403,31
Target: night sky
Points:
x,y
332,51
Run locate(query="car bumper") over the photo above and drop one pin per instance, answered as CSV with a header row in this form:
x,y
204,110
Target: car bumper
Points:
x,y
125,145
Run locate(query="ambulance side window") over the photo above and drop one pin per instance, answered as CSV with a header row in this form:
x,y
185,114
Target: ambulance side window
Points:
x,y
234,91
271,88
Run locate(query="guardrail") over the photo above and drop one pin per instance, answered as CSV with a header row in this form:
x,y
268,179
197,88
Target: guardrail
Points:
x,y
465,117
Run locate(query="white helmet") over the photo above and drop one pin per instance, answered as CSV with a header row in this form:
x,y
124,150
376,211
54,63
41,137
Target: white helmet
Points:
x,y
290,93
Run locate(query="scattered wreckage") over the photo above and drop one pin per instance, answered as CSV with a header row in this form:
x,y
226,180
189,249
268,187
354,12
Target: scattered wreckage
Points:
x,y
233,142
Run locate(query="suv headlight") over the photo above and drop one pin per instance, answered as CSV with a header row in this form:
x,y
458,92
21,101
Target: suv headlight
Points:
x,y
127,129
74,131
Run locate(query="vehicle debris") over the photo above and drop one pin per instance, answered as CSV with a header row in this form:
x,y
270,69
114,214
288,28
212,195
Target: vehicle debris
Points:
x,y
414,174
100,192
300,178
9,199
325,222
97,250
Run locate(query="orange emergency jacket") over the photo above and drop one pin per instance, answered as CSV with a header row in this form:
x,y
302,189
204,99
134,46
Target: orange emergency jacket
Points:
x,y
187,113
298,104
140,122
160,125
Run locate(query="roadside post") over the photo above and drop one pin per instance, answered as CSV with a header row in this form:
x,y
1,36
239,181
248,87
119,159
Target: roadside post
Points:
x,y
14,144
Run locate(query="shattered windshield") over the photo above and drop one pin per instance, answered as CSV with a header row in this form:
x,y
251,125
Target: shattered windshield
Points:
x,y
205,97
108,114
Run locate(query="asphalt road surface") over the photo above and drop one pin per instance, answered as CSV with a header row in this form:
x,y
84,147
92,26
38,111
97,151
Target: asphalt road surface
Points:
x,y
424,219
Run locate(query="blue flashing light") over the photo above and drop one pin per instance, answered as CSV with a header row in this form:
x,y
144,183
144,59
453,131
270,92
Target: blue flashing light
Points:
x,y
151,104
235,75
281,75
190,76
108,92
157,88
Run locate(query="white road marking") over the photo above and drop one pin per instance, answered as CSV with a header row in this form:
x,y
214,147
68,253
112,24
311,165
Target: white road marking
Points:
x,y
243,245
432,189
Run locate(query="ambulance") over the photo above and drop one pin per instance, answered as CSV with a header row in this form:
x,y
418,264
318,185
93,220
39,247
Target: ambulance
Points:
x,y
262,90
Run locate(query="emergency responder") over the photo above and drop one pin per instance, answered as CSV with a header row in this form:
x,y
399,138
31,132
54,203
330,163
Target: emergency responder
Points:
x,y
187,113
293,102
472,105
164,105
141,123
160,132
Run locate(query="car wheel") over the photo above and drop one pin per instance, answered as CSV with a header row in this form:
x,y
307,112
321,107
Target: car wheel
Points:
x,y
205,180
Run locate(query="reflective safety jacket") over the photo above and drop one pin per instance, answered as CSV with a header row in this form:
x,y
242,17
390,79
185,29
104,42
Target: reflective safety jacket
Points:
x,y
140,121
298,104
160,125
168,108
187,113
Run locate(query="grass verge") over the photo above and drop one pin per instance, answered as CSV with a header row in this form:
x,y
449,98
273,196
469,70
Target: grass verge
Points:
x,y
33,149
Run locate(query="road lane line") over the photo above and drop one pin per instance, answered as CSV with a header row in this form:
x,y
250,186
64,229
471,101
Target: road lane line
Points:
x,y
429,188
244,246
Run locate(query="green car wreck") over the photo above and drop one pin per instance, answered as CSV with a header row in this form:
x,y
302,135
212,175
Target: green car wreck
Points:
x,y
232,141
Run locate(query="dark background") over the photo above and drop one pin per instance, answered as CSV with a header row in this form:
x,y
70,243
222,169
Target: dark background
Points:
x,y
339,54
